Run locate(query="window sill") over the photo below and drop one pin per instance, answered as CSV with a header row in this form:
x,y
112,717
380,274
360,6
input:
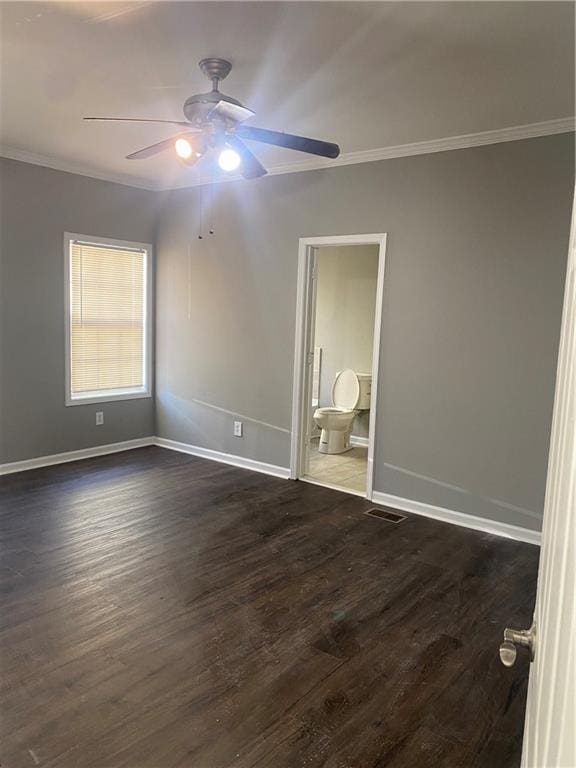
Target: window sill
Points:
x,y
109,397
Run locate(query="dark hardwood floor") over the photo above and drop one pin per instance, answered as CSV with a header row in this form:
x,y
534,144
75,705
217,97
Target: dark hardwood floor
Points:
x,y
163,611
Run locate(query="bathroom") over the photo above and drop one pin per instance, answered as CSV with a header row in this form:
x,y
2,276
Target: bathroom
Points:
x,y
346,279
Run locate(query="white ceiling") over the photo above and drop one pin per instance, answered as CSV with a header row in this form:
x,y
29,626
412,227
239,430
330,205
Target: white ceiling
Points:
x,y
366,75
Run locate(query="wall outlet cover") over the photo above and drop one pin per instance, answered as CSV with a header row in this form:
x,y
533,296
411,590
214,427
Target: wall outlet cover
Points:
x,y
237,429
99,418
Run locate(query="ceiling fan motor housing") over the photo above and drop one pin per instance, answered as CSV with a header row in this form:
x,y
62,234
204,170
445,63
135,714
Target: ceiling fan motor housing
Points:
x,y
196,107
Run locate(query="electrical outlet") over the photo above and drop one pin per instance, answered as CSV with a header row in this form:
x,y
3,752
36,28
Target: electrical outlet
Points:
x,y
99,418
237,429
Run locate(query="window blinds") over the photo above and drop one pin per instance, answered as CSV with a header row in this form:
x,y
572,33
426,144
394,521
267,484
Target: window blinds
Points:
x,y
107,319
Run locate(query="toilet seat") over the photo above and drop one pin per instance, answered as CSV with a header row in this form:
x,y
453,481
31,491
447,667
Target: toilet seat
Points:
x,y
334,410
346,389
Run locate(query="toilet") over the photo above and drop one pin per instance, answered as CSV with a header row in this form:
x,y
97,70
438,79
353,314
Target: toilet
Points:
x,y
350,394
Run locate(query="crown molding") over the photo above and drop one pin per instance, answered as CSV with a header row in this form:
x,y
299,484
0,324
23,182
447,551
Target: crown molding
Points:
x,y
464,141
69,166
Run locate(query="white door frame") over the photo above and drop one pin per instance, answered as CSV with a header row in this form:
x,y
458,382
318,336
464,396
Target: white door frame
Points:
x,y
304,306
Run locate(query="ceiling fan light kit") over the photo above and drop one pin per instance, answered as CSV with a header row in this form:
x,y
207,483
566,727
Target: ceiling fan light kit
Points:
x,y
183,148
229,159
214,123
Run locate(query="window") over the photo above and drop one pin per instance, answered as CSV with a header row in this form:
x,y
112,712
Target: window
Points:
x,y
107,320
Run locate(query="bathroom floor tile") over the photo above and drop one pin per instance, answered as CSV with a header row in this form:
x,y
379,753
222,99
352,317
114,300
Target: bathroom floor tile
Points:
x,y
347,470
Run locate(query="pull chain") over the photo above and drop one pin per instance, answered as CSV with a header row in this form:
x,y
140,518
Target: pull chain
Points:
x,y
211,204
200,236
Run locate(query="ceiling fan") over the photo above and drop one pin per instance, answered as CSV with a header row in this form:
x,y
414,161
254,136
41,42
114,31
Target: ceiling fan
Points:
x,y
214,123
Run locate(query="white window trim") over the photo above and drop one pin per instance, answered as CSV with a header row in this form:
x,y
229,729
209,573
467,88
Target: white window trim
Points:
x,y
110,396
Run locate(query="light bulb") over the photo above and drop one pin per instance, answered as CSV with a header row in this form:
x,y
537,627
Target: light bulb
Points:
x,y
183,149
229,160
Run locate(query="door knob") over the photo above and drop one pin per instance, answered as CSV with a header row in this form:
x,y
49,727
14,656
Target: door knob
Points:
x,y
508,653
514,637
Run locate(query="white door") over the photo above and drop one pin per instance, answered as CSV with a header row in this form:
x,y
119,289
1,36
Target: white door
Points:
x,y
550,731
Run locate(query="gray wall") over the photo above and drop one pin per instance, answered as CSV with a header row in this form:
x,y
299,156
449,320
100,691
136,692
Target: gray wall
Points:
x,y
476,259
345,309
475,267
37,205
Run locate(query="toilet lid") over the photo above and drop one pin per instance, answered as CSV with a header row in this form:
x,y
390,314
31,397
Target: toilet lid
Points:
x,y
346,389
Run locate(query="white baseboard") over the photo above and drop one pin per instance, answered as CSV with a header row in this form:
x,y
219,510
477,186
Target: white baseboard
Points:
x,y
84,453
406,505
359,441
127,445
224,458
458,518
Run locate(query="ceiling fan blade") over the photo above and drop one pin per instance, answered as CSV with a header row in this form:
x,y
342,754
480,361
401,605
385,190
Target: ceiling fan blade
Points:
x,y
250,167
289,141
184,123
228,111
160,146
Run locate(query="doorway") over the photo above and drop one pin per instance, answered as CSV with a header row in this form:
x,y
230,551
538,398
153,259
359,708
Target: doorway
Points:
x,y
338,325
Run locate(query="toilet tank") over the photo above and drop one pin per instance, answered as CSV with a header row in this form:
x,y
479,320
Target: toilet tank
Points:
x,y
365,381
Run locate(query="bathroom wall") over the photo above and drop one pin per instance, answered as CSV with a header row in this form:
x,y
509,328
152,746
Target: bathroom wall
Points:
x,y
345,307
37,205
475,268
